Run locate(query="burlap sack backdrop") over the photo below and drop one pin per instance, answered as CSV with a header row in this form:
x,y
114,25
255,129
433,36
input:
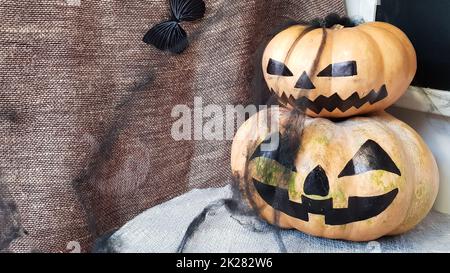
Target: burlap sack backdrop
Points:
x,y
85,109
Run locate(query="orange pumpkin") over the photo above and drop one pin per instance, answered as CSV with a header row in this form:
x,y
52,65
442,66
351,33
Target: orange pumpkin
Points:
x,y
339,71
357,179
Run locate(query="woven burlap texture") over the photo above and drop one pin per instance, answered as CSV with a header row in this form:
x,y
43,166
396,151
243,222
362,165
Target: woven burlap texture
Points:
x,y
85,109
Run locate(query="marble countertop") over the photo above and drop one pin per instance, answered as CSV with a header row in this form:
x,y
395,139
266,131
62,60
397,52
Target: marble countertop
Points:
x,y
426,100
428,112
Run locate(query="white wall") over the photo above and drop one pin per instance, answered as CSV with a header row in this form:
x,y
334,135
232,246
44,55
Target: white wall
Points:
x,y
361,8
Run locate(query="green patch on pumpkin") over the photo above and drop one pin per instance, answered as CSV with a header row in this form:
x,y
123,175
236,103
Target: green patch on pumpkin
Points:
x,y
293,193
322,140
377,178
272,173
338,195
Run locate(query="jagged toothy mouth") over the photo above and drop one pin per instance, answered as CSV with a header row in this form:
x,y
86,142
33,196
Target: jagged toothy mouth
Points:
x,y
334,101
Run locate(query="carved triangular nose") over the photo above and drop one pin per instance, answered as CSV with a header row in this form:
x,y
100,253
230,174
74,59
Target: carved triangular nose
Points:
x,y
316,183
304,82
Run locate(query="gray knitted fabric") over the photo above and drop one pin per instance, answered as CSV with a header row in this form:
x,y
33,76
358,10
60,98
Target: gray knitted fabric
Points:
x,y
161,229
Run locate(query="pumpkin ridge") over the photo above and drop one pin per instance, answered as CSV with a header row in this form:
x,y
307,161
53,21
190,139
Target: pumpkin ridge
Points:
x,y
379,51
389,129
393,36
319,52
294,44
297,40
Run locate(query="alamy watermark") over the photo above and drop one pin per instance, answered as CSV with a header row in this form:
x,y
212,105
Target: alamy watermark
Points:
x,y
215,122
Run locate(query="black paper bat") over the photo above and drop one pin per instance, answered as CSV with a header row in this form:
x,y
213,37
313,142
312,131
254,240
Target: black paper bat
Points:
x,y
169,35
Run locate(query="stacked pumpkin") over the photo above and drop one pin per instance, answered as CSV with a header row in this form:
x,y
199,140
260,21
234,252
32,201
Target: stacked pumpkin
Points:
x,y
347,170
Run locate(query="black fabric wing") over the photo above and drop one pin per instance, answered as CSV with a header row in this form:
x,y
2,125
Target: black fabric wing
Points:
x,y
187,10
167,36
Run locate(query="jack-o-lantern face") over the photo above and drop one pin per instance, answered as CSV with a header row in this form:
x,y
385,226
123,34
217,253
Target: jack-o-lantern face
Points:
x,y
264,167
339,72
356,179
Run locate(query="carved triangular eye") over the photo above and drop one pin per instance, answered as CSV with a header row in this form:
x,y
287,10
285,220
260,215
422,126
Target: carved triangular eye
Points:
x,y
369,157
278,68
282,154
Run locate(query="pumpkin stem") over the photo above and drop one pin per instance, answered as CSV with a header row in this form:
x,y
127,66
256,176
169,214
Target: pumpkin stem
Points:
x,y
337,26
